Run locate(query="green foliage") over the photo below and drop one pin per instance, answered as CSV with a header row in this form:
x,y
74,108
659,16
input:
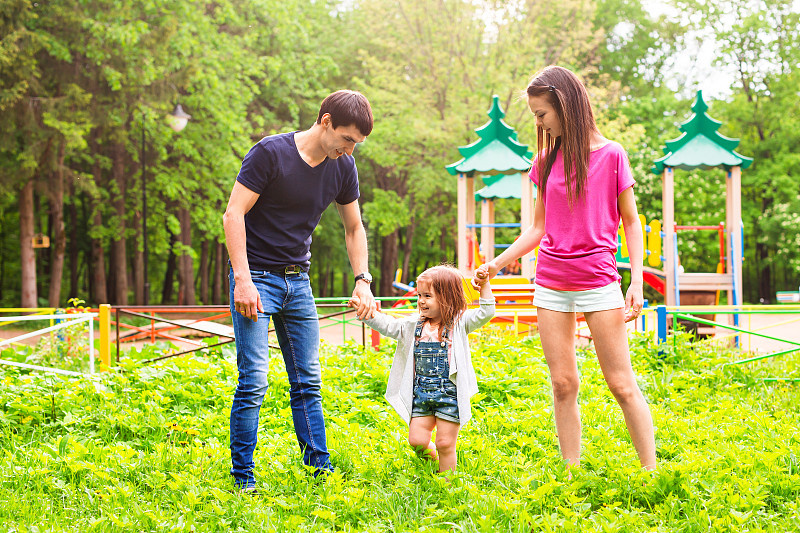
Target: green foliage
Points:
x,y
386,212
146,448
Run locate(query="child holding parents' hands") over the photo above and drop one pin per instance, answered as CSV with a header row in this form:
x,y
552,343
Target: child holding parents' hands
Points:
x,y
432,380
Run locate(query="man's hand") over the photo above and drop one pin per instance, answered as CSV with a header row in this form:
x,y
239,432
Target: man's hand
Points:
x,y
363,300
634,301
246,300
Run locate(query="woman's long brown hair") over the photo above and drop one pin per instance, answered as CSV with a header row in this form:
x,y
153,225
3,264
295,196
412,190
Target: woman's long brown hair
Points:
x,y
447,284
565,92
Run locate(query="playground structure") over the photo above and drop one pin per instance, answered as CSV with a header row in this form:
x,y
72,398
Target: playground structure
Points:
x,y
502,162
494,155
702,146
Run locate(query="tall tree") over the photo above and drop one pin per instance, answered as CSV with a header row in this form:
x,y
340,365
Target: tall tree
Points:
x,y
758,44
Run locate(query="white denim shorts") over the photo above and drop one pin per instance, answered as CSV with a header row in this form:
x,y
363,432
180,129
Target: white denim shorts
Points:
x,y
602,299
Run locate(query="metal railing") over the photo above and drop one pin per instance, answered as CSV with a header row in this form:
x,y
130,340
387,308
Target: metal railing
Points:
x,y
58,322
688,313
333,313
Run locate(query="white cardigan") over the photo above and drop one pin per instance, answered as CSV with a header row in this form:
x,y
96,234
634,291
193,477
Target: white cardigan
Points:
x,y
400,388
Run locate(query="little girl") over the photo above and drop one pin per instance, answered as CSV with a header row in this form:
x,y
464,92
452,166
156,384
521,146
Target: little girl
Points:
x,y
432,380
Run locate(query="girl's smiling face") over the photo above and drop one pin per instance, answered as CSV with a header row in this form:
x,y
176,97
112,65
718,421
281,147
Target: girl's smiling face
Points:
x,y
428,303
546,116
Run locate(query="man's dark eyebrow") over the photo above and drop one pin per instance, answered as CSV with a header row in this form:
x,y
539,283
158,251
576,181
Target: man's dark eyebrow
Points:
x,y
350,139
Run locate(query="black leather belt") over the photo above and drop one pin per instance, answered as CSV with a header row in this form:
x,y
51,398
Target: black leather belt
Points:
x,y
291,269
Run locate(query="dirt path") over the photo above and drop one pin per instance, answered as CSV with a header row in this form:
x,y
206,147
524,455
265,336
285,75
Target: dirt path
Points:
x,y
781,326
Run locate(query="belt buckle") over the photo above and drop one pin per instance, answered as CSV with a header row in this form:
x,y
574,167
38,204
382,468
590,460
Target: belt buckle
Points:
x,y
292,269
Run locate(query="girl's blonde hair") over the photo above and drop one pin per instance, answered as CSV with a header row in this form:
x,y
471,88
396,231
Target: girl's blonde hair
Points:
x,y
448,286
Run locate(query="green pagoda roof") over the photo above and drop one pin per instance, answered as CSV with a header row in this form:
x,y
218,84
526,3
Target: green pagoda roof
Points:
x,y
497,150
501,186
701,145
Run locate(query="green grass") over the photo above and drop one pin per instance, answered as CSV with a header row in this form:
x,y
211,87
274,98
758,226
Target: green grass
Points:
x,y
146,449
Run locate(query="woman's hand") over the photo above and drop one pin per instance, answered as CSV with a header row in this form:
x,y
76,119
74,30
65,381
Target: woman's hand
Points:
x,y
483,274
634,301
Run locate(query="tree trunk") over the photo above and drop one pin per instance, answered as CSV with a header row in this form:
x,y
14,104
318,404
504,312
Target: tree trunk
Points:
x,y
169,274
323,283
138,261
204,271
59,246
99,282
226,286
186,266
764,254
388,263
74,248
219,273
443,236
407,245
2,259
43,259
765,275
27,255
98,288
119,263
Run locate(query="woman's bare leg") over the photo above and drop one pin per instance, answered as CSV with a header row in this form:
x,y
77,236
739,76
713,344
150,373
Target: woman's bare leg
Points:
x,y
611,344
557,332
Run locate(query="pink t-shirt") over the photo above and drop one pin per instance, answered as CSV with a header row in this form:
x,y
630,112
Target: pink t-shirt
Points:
x,y
579,246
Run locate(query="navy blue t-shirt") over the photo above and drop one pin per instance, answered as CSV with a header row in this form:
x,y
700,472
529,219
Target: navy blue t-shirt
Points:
x,y
293,196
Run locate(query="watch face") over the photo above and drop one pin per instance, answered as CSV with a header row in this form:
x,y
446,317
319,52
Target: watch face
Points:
x,y
366,276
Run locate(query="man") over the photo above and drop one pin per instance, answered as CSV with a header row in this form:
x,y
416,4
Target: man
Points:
x,y
285,183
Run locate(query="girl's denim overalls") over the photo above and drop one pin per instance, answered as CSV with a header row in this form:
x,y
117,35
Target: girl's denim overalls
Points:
x,y
434,393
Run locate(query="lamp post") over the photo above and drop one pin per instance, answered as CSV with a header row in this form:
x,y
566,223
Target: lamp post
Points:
x,y
177,121
144,216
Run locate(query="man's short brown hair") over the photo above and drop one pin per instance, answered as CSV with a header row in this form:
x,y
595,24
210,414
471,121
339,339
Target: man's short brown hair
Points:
x,y
346,108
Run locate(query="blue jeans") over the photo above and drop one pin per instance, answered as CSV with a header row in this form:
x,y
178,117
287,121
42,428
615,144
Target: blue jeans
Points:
x,y
288,300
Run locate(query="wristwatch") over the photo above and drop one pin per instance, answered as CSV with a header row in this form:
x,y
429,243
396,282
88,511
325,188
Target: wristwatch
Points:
x,y
366,276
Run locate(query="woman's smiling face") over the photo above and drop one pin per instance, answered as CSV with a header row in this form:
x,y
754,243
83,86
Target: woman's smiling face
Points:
x,y
546,115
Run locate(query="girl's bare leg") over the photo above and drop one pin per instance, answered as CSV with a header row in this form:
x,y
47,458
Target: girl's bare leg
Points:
x,y
557,332
446,437
611,343
419,436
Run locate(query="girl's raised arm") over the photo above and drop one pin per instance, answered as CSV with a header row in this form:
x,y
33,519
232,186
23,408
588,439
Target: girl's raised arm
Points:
x,y
475,318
